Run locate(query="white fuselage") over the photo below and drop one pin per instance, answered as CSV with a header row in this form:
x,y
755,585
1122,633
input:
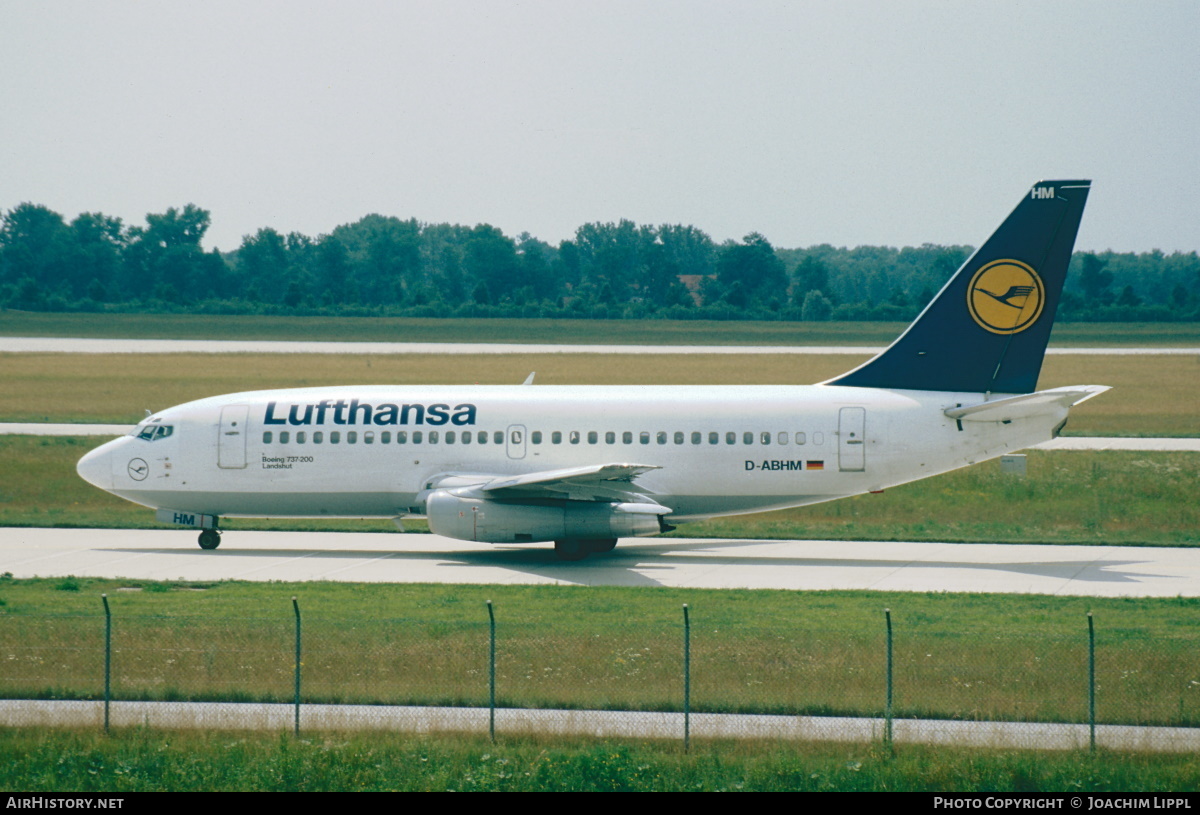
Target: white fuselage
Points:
x,y
374,451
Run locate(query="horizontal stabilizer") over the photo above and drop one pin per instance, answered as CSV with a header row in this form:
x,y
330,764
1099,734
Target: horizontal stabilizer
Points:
x,y
1026,405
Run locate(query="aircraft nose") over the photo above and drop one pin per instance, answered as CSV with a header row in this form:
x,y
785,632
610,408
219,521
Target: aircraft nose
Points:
x,y
96,467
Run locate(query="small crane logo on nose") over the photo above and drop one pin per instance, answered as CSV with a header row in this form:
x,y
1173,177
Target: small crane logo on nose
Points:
x,y
138,469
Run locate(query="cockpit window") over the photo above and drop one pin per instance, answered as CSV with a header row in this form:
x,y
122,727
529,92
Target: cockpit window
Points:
x,y
154,432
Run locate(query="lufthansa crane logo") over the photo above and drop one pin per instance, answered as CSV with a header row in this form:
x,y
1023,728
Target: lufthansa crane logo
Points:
x,y
138,469
1006,297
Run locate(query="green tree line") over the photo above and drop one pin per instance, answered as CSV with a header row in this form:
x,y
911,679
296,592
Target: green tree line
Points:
x,y
382,265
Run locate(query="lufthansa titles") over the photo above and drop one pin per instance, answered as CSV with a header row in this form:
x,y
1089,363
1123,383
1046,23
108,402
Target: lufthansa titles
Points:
x,y
354,412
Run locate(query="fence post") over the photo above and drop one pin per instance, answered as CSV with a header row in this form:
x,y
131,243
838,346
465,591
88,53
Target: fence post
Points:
x,y
491,672
887,710
296,717
107,660
1091,683
687,681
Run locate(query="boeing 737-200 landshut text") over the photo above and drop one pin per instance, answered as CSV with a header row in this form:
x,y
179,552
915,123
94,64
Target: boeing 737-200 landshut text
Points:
x,y
586,465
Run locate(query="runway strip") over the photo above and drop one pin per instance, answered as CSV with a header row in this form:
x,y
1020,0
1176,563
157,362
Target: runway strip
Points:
x,y
168,554
76,345
48,429
593,723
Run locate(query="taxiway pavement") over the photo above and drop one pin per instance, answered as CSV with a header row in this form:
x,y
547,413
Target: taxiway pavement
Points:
x,y
1098,571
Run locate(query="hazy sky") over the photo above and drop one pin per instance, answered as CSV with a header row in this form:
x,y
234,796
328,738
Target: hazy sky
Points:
x,y
895,123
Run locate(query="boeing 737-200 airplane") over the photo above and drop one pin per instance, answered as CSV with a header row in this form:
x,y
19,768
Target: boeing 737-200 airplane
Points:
x,y
585,465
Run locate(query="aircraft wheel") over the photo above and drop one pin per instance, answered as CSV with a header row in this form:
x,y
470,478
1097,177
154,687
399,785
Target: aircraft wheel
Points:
x,y
571,549
601,545
210,539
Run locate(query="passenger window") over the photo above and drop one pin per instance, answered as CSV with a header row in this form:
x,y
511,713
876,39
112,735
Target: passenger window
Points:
x,y
644,437
747,438
536,437
482,437
318,437
661,437
556,437
300,436
627,437
766,437
351,437
466,437
498,437
574,437
783,438
433,437
401,437
679,437
800,439
417,437
593,437
369,437
335,436
267,437
385,437
696,437
283,437
610,437
450,437
730,437
713,437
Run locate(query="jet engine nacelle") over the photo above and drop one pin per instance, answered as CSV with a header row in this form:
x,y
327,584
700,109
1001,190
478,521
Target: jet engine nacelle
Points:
x,y
488,521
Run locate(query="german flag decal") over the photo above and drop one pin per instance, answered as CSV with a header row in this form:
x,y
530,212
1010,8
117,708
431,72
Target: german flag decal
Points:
x,y
814,465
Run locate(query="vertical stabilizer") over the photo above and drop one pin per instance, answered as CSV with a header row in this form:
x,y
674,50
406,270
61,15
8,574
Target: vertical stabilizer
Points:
x,y
987,329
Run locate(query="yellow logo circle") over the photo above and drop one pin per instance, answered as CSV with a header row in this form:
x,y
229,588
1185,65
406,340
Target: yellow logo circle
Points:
x,y
1006,297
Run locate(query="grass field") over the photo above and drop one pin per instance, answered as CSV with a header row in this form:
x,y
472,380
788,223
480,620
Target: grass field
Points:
x,y
570,332
1150,396
1099,497
957,656
981,655
144,760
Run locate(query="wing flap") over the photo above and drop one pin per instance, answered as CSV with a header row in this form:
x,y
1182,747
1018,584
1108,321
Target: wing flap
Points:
x,y
592,474
598,482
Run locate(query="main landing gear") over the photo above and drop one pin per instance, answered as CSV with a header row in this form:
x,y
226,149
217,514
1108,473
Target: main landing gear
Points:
x,y
579,549
210,539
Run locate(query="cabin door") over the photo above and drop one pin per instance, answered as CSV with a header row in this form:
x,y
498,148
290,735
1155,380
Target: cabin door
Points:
x,y
231,444
852,447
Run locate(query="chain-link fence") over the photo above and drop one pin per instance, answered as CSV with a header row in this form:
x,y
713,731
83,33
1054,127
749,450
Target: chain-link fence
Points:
x,y
767,679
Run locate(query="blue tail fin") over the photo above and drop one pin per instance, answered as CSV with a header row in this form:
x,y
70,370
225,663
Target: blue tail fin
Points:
x,y
987,329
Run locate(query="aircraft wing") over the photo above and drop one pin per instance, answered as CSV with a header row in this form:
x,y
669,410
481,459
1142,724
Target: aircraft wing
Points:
x,y
598,482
